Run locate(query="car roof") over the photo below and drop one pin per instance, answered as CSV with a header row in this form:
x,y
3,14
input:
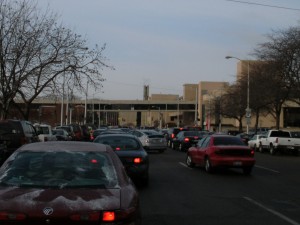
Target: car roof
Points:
x,y
64,146
116,135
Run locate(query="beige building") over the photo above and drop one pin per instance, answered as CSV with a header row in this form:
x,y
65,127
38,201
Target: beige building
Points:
x,y
194,108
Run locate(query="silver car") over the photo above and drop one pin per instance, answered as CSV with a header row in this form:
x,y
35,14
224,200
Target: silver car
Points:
x,y
151,139
254,142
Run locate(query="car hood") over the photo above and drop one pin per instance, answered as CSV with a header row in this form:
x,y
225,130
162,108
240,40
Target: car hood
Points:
x,y
62,201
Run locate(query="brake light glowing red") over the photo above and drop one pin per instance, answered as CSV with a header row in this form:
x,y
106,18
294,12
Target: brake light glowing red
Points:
x,y
94,161
12,216
186,139
137,160
108,216
118,149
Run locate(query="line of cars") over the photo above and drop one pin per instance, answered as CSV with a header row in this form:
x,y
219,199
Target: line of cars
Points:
x,y
76,182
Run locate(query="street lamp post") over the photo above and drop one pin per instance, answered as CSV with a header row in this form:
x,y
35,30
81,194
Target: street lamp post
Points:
x,y
248,110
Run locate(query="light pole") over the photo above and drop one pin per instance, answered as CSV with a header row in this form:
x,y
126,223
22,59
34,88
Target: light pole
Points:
x,y
248,110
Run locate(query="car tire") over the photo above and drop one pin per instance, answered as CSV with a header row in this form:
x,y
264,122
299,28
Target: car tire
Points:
x,y
272,150
169,143
255,148
207,165
189,161
247,170
260,148
180,147
173,146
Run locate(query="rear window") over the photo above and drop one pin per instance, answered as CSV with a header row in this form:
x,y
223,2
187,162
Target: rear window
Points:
x,y
60,169
43,130
119,143
228,141
191,133
280,134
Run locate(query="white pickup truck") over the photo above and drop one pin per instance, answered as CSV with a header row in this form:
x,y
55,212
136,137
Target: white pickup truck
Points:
x,y
279,141
45,132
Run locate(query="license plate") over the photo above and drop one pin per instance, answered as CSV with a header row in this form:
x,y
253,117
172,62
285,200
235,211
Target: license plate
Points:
x,y
237,163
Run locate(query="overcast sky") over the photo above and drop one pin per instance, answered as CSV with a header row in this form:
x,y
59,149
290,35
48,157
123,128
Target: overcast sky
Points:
x,y
168,43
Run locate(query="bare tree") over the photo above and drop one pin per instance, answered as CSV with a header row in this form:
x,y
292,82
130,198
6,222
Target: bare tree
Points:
x,y
281,54
233,102
39,55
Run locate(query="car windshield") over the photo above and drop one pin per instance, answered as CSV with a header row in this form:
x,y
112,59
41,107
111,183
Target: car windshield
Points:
x,y
228,141
119,143
60,170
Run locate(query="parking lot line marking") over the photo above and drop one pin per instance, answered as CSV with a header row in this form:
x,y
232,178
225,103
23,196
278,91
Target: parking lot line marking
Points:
x,y
265,168
272,211
183,164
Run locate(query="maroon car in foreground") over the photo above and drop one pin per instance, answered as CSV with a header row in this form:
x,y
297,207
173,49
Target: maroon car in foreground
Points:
x,y
217,151
63,183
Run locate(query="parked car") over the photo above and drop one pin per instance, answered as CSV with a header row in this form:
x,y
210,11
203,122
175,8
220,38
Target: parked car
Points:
x,y
17,133
131,152
295,134
185,139
279,141
61,135
96,132
86,136
44,132
66,183
221,151
113,131
77,132
151,139
69,129
254,142
172,132
245,137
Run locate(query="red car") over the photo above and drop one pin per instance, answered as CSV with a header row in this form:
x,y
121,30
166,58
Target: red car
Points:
x,y
221,151
66,183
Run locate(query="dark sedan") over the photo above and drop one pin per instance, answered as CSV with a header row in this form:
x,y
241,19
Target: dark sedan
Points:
x,y
186,139
131,153
66,183
221,151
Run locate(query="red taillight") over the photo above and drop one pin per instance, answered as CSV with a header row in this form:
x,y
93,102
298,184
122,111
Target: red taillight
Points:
x,y
186,139
108,216
94,161
172,135
12,216
94,216
137,160
117,148
252,152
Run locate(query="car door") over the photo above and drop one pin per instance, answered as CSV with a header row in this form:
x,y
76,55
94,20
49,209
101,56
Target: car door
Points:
x,y
198,151
201,151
